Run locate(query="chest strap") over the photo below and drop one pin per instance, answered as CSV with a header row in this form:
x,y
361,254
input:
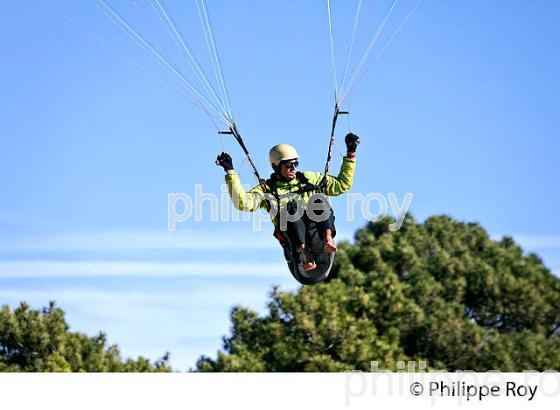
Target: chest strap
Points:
x,y
307,186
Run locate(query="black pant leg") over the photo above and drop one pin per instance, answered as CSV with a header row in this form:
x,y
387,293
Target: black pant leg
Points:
x,y
327,224
295,230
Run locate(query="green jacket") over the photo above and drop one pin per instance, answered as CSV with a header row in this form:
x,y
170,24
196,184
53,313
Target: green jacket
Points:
x,y
253,200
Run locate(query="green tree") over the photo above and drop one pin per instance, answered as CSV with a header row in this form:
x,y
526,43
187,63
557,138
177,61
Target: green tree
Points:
x,y
442,292
39,341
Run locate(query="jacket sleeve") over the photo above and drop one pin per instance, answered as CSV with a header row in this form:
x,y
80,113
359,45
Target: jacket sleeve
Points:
x,y
336,185
244,201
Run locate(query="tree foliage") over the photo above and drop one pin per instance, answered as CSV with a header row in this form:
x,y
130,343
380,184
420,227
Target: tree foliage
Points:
x,y
39,341
442,292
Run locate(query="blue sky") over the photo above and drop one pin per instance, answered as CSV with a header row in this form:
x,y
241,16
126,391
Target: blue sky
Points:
x,y
460,110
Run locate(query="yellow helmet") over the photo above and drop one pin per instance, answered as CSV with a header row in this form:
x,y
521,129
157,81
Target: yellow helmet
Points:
x,y
281,152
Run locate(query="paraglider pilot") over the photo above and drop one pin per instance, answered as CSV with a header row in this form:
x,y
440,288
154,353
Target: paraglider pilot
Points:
x,y
285,180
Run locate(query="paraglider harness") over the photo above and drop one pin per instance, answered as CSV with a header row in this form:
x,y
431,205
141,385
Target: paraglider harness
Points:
x,y
324,261
272,188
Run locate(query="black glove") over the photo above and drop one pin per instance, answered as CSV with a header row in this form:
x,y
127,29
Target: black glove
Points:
x,y
352,141
224,160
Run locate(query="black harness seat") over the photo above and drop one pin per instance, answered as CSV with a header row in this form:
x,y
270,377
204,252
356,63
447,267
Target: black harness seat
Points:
x,y
314,241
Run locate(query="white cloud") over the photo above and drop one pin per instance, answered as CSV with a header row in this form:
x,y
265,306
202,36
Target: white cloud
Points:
x,y
193,313
39,269
243,238
532,241
121,240
539,241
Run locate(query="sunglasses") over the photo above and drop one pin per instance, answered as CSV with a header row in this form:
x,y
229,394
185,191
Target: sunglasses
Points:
x,y
290,164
